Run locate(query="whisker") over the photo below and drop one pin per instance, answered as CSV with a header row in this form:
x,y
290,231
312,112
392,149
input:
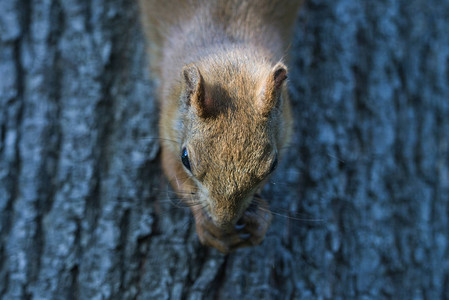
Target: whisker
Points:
x,y
291,217
278,183
159,138
284,212
335,157
187,222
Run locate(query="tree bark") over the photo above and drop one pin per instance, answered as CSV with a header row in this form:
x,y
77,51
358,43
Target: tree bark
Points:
x,y
360,203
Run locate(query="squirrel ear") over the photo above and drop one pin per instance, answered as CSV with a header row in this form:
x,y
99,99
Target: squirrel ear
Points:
x,y
272,88
193,89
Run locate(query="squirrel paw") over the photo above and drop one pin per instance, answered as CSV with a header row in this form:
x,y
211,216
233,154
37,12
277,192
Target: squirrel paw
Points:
x,y
250,230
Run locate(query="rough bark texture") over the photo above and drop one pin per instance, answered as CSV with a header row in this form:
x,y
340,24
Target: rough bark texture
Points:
x,y
361,203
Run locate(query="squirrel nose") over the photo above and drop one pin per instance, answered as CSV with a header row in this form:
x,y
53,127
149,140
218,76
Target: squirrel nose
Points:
x,y
224,217
227,211
227,222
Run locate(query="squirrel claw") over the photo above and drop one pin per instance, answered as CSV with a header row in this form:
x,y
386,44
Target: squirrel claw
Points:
x,y
244,236
240,225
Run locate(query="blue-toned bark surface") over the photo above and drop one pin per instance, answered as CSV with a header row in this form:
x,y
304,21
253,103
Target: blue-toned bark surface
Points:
x,y
360,204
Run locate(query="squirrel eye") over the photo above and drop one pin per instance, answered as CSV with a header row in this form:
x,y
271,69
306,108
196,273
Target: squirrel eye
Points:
x,y
274,164
185,159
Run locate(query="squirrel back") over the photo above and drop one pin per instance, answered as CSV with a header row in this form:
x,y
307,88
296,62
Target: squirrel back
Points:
x,y
199,23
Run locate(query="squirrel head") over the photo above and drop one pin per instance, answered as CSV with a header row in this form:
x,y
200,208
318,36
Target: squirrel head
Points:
x,y
231,132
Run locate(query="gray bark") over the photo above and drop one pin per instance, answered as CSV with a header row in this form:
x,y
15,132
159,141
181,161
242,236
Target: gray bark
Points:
x,y
361,203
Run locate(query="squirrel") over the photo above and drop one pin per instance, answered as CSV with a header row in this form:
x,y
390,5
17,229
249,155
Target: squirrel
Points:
x,y
225,116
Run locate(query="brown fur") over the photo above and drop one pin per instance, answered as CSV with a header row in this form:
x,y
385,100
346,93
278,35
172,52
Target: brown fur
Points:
x,y
222,95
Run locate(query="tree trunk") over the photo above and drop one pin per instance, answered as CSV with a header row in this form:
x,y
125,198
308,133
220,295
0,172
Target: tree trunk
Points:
x,y
361,203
